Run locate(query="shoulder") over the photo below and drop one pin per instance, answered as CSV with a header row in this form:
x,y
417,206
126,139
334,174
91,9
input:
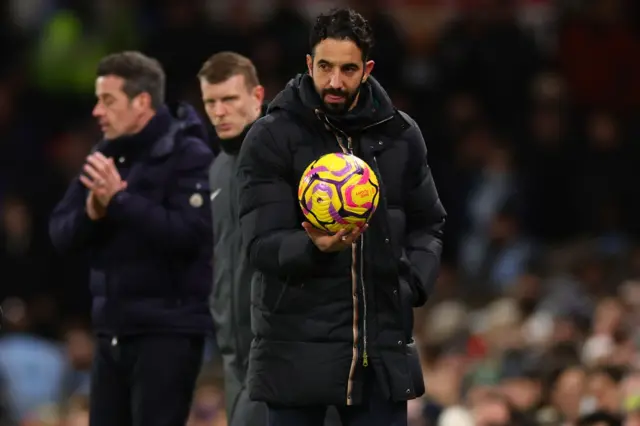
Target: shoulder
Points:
x,y
266,145
412,134
193,151
270,132
411,127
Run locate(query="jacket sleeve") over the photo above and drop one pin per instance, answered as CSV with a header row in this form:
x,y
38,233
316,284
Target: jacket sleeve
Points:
x,y
70,229
183,222
271,227
425,220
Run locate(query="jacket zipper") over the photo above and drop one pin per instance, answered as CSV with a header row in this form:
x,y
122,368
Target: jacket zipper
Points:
x,y
360,245
365,353
354,288
354,275
365,356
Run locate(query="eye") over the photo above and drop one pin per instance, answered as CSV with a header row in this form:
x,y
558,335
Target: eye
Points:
x,y
324,67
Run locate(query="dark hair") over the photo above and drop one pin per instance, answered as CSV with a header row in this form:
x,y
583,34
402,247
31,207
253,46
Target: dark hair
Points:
x,y
343,24
141,74
224,65
599,417
613,373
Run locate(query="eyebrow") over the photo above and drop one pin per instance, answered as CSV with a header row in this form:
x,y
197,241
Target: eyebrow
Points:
x,y
223,98
348,64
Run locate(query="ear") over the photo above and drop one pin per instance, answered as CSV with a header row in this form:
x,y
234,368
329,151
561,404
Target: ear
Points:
x,y
310,64
258,93
142,101
368,67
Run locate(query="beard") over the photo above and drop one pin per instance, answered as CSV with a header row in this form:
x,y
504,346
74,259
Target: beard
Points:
x,y
339,107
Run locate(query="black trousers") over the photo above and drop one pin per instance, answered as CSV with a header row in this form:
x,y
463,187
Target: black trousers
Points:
x,y
374,411
145,380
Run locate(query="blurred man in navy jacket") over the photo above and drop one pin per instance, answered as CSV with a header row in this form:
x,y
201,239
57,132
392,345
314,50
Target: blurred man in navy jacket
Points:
x,y
140,211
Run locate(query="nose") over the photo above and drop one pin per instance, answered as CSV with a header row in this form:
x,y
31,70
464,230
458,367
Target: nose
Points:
x,y
219,109
98,110
336,81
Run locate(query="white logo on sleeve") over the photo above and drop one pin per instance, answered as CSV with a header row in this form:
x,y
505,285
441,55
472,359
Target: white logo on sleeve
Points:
x,y
215,193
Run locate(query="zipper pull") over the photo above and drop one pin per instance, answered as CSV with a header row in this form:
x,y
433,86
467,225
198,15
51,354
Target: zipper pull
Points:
x,y
365,359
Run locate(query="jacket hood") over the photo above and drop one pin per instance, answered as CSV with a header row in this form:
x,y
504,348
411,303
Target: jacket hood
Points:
x,y
190,122
300,97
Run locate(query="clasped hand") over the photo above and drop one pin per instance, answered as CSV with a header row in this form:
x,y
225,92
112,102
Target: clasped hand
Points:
x,y
331,243
103,181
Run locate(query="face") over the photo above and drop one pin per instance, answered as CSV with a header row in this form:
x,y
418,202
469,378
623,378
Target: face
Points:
x,y
632,419
116,113
568,392
338,71
524,394
79,348
231,105
605,391
489,413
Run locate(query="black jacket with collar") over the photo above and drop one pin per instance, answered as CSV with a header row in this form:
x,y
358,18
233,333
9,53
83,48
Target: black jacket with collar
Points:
x,y
316,315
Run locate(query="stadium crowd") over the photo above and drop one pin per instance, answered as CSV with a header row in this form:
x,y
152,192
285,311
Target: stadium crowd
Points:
x,y
529,109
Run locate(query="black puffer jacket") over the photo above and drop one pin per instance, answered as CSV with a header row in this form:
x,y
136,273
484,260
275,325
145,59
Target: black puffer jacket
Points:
x,y
319,318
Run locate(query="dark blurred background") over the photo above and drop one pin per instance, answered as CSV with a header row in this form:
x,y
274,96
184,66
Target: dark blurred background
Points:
x,y
530,113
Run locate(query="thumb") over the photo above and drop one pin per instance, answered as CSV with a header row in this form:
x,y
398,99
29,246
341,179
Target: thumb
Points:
x,y
312,230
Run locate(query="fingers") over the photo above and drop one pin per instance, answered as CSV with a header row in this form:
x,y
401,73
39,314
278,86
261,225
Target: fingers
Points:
x,y
348,239
87,182
100,156
341,235
105,166
313,231
308,227
353,235
99,162
96,190
93,173
333,242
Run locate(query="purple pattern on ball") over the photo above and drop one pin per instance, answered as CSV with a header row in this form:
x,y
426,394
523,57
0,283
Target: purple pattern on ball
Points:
x,y
316,170
319,187
336,216
346,169
323,187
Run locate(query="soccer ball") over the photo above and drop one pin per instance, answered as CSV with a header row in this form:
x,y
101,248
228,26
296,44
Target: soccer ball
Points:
x,y
338,191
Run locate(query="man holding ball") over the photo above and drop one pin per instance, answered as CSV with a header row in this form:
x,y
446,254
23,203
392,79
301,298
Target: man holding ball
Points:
x,y
332,314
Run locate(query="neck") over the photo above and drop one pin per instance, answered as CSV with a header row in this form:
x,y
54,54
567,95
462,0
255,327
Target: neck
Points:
x,y
355,101
144,121
149,128
232,145
256,114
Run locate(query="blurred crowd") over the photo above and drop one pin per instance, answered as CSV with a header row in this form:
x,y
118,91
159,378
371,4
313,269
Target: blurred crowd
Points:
x,y
530,112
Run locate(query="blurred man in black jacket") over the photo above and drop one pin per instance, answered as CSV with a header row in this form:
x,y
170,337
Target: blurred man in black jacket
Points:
x,y
232,97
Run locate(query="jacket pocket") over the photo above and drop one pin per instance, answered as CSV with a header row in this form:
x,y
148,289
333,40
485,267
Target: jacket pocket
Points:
x,y
280,295
415,369
406,308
